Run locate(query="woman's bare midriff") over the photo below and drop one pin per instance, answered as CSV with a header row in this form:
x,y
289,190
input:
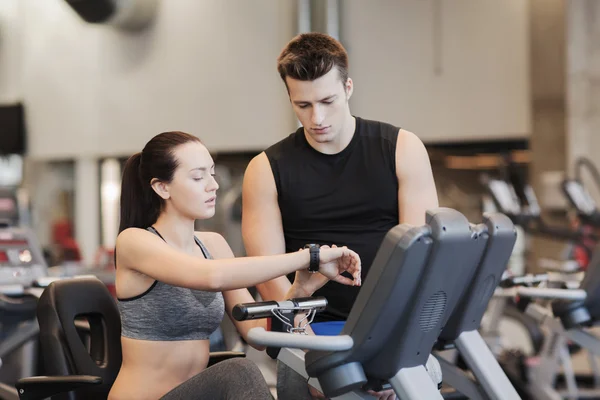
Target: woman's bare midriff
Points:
x,y
151,369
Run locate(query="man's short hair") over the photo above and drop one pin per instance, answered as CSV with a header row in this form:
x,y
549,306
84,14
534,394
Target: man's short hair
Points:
x,y
309,56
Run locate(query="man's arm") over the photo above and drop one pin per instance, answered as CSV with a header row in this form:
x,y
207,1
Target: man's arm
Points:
x,y
417,192
262,229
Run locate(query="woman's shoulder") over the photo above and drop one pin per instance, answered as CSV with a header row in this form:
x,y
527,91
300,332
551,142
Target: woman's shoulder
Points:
x,y
132,242
215,243
132,235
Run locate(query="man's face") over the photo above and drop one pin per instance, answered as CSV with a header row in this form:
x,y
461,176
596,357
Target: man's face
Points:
x,y
321,105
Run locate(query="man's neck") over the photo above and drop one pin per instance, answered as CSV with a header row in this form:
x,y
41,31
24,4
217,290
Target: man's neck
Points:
x,y
342,140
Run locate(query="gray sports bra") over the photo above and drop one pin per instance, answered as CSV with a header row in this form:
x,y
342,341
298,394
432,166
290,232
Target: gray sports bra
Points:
x,y
165,312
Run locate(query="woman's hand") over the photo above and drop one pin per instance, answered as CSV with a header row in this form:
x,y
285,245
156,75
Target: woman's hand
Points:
x,y
336,260
333,262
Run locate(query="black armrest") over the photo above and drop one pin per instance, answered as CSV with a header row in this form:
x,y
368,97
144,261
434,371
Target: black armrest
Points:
x,y
41,387
218,356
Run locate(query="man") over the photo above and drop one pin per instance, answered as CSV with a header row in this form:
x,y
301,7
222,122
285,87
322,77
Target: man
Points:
x,y
338,177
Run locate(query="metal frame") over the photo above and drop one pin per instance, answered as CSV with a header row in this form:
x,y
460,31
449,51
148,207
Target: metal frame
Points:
x,y
408,383
20,338
415,383
485,367
460,380
486,379
294,358
555,354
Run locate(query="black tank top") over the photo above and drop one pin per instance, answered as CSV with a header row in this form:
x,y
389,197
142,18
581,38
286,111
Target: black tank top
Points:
x,y
348,199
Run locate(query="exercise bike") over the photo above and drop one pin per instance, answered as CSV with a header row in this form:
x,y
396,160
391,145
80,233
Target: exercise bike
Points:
x,y
414,291
537,374
21,264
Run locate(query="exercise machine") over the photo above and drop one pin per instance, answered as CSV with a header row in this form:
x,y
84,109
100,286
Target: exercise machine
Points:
x,y
566,315
21,265
414,287
482,377
84,367
577,195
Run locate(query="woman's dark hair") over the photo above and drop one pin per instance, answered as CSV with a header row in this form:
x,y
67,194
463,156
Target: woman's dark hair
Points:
x,y
140,205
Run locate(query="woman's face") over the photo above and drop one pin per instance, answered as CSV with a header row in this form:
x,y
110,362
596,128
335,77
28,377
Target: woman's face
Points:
x,y
193,190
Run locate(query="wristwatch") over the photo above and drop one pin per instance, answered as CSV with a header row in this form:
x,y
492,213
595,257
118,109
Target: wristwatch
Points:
x,y
314,257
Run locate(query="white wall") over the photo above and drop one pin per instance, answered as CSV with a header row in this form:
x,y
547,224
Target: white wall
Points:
x,y
10,51
583,87
205,67
208,67
455,72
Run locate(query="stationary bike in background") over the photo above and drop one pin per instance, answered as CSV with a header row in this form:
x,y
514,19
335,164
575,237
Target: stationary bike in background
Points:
x,y
24,275
585,216
514,196
21,264
517,199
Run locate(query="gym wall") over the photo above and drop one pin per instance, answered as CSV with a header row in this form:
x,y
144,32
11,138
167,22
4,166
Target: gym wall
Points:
x,y
12,135
209,68
10,52
583,86
206,67
448,71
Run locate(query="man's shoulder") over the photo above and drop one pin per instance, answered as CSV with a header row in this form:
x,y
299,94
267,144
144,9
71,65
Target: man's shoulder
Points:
x,y
270,158
377,128
409,142
275,151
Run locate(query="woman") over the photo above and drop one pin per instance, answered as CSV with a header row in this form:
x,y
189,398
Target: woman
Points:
x,y
174,285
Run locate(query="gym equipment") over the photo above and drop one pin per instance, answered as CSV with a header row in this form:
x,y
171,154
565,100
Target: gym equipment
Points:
x,y
517,293
9,207
505,325
498,235
587,219
21,258
18,329
529,218
579,198
556,311
525,211
582,201
566,318
413,288
21,264
87,368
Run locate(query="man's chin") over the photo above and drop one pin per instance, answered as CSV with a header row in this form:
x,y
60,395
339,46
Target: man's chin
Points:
x,y
322,138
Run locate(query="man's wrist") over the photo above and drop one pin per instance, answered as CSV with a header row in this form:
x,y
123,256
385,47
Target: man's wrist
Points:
x,y
297,291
